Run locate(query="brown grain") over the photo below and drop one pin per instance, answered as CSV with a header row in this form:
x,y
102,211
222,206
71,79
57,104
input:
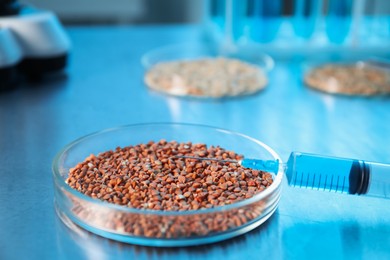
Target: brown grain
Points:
x,y
146,176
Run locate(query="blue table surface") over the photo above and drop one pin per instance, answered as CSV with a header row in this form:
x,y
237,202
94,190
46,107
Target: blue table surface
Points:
x,y
103,87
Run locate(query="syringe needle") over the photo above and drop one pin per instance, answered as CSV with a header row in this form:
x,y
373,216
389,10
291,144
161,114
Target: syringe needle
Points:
x,y
354,177
204,158
262,165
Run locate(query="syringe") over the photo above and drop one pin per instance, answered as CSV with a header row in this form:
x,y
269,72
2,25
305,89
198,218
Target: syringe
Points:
x,y
326,173
341,175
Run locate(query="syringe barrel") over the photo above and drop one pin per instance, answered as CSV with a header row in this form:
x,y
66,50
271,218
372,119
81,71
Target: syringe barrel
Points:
x,y
342,175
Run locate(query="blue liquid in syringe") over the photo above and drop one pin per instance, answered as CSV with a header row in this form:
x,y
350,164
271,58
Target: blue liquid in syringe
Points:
x,y
317,172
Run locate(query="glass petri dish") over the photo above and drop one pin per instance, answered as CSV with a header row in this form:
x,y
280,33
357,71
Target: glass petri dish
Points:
x,y
206,70
367,77
190,227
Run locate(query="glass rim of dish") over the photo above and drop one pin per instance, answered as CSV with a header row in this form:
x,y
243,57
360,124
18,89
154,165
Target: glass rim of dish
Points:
x,y
183,53
59,180
358,62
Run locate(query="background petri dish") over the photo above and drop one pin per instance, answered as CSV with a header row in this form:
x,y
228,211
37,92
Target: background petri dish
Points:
x,y
181,228
218,71
366,77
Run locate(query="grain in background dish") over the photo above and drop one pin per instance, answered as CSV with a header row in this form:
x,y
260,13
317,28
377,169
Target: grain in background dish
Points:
x,y
349,79
207,77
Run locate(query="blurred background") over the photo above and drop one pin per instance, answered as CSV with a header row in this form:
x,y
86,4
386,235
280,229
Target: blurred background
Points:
x,y
123,11
182,11
279,27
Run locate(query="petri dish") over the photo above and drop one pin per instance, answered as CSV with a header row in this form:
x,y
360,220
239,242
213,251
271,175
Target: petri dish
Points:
x,y
353,78
175,228
205,70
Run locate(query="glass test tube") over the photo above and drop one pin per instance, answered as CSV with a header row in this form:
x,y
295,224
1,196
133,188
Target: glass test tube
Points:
x,y
254,20
217,13
338,20
306,15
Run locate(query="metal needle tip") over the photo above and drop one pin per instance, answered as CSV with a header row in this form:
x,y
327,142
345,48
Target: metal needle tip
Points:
x,y
204,158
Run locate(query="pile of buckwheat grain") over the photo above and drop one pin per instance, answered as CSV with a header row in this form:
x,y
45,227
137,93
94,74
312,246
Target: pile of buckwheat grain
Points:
x,y
349,80
148,176
208,77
